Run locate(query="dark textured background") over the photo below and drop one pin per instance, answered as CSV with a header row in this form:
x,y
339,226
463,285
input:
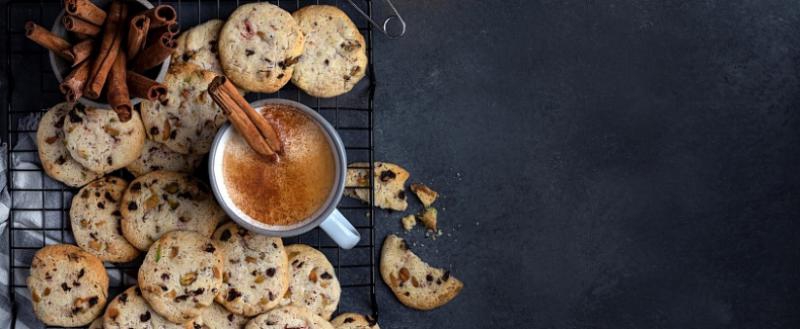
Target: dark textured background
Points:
x,y
605,164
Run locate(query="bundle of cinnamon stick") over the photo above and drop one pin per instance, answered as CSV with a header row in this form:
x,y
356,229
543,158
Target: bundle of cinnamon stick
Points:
x,y
111,50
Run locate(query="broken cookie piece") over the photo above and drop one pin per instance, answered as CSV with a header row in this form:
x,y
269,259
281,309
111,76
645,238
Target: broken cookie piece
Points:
x,y
409,222
389,181
425,194
428,218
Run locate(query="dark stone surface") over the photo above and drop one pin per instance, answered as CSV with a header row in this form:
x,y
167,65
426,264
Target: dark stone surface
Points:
x,y
605,164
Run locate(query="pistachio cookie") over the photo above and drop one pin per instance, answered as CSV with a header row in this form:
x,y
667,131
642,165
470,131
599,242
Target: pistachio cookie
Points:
x,y
415,283
259,46
198,46
99,141
312,282
68,286
130,310
164,201
354,321
53,153
187,120
217,317
335,53
256,270
157,156
288,317
181,274
95,220
389,179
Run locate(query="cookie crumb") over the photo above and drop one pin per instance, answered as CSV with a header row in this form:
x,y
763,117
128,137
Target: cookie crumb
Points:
x,y
428,218
425,194
409,222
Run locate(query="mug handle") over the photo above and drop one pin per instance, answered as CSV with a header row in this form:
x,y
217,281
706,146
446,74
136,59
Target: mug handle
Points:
x,y
340,230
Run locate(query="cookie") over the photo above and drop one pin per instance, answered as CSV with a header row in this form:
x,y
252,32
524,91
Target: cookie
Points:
x,y
187,120
335,53
130,310
424,194
256,272
164,201
312,281
53,153
354,321
217,317
259,46
95,220
97,323
68,286
181,274
198,46
99,141
288,317
157,156
415,283
389,178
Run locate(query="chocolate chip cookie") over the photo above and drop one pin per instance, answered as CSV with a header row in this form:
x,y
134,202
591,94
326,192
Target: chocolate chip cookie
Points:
x,y
312,281
288,317
53,153
130,310
354,321
99,141
389,178
157,156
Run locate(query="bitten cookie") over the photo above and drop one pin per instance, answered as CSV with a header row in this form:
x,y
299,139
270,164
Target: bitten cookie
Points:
x,y
217,317
354,321
164,201
198,46
312,281
390,180
53,153
288,317
335,53
256,273
95,220
130,310
181,274
157,156
68,286
259,46
100,142
97,324
415,283
188,119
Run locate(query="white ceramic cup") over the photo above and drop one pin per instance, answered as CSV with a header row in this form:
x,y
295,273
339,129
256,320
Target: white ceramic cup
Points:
x,y
327,216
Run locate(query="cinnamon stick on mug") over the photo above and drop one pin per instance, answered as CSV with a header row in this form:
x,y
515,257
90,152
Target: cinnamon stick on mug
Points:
x,y
117,95
137,33
256,130
77,25
72,85
46,39
155,53
161,15
85,10
81,51
143,87
112,37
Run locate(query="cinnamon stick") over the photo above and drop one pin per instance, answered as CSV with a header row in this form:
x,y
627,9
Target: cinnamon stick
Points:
x,y
85,10
155,53
161,15
143,87
117,95
81,51
139,27
72,85
77,25
112,37
46,39
172,29
256,130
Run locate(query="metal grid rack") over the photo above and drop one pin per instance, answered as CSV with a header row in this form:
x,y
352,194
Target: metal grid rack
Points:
x,y
39,206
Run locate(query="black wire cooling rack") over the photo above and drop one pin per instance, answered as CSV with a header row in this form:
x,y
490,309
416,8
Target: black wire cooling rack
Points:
x,y
40,206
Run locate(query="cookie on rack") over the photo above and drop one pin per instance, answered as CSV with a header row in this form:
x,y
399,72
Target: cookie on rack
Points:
x,y
259,46
68,286
389,179
198,46
130,310
312,281
164,201
157,156
217,317
187,120
288,317
99,141
256,273
95,220
354,321
415,283
53,153
335,53
181,274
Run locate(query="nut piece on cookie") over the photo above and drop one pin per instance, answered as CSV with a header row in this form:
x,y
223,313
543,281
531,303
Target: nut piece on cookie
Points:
x,y
425,194
389,181
409,222
428,218
415,283
354,321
